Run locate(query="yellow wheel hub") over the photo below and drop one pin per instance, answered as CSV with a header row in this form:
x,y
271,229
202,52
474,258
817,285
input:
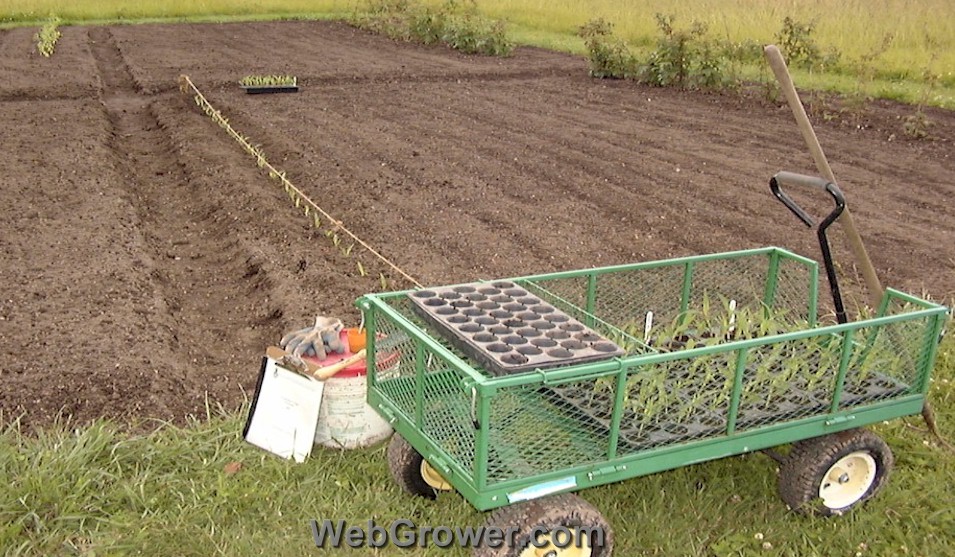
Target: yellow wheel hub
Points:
x,y
433,478
562,543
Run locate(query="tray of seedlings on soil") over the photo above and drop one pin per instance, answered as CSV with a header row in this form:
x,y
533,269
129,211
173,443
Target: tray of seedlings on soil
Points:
x,y
260,84
507,383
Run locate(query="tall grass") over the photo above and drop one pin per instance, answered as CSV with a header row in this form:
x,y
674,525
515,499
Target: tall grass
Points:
x,y
200,490
99,10
922,31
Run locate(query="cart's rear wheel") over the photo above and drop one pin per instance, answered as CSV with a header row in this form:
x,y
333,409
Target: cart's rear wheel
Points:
x,y
412,472
831,474
558,526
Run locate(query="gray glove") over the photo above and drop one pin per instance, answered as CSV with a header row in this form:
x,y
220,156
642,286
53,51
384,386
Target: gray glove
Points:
x,y
318,341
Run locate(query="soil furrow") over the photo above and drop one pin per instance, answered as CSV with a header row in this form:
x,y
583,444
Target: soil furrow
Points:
x,y
212,289
152,243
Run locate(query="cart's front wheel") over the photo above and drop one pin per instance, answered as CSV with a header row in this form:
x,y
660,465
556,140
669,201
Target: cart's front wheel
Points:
x,y
558,526
831,474
412,472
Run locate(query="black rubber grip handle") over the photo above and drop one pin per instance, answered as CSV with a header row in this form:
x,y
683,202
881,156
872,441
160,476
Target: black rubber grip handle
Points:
x,y
802,180
793,179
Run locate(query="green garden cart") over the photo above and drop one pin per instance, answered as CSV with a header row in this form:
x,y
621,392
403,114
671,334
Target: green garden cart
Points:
x,y
518,392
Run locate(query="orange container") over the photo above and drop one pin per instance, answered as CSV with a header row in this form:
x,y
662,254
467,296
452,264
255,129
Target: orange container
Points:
x,y
356,340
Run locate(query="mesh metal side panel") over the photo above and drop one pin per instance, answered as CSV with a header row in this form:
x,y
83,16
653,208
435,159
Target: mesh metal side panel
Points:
x,y
788,380
715,283
569,294
888,361
431,396
793,284
536,430
676,401
624,298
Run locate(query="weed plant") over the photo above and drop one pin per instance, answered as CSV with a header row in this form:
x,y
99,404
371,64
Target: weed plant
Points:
x,y
47,36
797,43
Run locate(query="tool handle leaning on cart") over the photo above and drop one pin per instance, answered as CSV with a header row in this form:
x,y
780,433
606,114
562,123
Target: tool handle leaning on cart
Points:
x,y
778,65
801,180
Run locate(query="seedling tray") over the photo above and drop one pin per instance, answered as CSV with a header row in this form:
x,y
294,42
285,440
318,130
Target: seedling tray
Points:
x,y
684,422
508,330
262,89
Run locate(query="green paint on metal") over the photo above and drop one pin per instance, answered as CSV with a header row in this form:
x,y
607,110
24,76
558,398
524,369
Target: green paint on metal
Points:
x,y
591,300
620,389
772,273
687,288
847,345
737,391
419,383
481,441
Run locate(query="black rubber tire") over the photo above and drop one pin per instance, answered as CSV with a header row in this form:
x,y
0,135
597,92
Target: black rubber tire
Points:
x,y
546,514
405,464
805,468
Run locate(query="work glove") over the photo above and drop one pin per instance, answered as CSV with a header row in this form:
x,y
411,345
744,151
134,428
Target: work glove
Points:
x,y
317,341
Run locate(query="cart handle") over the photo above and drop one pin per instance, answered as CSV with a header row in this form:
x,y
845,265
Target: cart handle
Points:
x,y
801,180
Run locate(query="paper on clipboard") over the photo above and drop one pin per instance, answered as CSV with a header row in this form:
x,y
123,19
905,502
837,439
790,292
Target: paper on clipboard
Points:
x,y
284,412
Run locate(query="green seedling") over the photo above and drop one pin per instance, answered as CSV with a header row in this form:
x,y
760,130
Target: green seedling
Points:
x,y
269,81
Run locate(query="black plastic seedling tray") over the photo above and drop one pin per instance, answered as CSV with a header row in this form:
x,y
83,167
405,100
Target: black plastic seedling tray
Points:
x,y
508,330
266,89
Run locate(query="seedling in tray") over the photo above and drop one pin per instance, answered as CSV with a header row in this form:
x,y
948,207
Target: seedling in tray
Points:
x,y
269,84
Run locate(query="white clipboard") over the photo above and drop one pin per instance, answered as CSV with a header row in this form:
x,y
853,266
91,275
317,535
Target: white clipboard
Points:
x,y
284,413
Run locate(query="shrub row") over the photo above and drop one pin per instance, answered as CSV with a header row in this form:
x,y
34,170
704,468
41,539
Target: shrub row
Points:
x,y
455,23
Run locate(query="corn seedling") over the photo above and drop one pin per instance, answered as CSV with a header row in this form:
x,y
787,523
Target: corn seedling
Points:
x,y
300,200
268,81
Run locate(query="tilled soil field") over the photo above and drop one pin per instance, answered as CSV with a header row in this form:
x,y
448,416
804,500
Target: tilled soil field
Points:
x,y
147,262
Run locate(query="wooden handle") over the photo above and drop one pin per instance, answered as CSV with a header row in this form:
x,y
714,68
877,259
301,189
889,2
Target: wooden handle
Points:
x,y
778,65
328,371
310,369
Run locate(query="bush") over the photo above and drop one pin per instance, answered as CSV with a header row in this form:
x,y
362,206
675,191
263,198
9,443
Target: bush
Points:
x,y
686,58
683,58
456,23
609,57
797,44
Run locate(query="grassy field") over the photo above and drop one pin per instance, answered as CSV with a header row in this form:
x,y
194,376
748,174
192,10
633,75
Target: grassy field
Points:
x,y
887,48
100,491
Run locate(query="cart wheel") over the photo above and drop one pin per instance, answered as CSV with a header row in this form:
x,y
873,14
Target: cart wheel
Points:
x,y
412,472
558,526
831,474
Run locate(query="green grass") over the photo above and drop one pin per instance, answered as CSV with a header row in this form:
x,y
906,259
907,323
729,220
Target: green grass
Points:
x,y
110,10
99,490
922,33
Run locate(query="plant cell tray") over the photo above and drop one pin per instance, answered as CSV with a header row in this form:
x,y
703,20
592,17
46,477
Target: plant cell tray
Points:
x,y
261,89
508,330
